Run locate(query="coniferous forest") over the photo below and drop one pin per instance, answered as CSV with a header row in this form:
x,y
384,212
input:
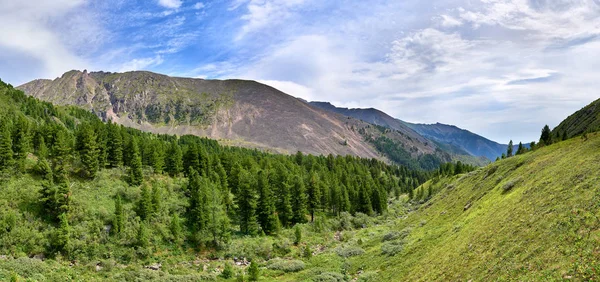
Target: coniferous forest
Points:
x,y
173,193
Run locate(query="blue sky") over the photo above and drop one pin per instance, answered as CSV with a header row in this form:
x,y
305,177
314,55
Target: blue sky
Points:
x,y
501,69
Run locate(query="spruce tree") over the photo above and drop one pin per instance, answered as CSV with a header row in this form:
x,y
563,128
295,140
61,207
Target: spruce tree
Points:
x,y
175,228
217,220
143,236
246,202
61,151
6,151
88,150
21,141
298,201
42,151
136,175
119,216
63,234
509,150
174,163
191,160
144,204
314,194
521,149
197,208
115,145
546,137
266,206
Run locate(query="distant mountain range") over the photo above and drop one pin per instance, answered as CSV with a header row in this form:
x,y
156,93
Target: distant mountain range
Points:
x,y
448,137
238,112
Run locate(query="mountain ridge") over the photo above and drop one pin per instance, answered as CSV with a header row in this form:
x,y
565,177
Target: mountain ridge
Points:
x,y
237,112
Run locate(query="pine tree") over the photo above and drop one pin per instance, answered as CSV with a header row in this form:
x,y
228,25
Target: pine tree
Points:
x,y
253,271
298,201
88,150
266,206
246,202
175,228
158,158
61,151
119,217
197,208
509,150
218,222
191,160
314,194
115,146
144,204
21,141
136,175
521,149
6,152
546,137
156,199
42,151
63,234
174,163
297,235
143,236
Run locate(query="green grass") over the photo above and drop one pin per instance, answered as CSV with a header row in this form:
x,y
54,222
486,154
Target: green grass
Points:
x,y
545,226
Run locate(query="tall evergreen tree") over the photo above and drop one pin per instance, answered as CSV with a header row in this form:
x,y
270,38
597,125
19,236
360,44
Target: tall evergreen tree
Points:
x,y
299,201
314,194
246,202
88,150
144,204
136,175
6,151
115,145
119,216
63,234
42,150
21,141
217,220
191,160
521,149
197,208
266,205
509,150
174,163
546,137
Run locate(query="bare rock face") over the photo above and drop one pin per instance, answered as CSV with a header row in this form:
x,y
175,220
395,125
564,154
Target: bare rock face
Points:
x,y
237,112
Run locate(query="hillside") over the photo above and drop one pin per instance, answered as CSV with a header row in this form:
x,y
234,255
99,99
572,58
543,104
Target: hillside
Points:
x,y
472,143
449,138
237,112
586,119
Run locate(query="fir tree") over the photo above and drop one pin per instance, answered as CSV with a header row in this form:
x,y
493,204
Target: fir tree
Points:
x,y
546,137
197,209
21,141
246,202
61,151
266,206
521,149
298,201
42,151
156,199
115,145
6,152
143,236
144,204
217,220
509,150
136,175
175,228
191,160
119,217
314,194
88,150
63,234
174,163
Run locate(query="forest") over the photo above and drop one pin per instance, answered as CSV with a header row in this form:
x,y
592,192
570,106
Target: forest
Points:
x,y
182,192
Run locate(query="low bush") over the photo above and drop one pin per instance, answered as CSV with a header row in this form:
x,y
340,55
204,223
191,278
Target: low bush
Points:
x,y
349,251
329,277
285,265
392,248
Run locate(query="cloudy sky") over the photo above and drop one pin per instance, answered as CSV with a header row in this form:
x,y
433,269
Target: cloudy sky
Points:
x,y
501,69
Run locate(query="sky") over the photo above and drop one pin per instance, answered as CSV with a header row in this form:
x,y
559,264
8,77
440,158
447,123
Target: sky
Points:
x,y
501,69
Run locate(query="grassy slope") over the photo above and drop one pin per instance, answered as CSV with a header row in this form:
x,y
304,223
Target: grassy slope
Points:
x,y
545,227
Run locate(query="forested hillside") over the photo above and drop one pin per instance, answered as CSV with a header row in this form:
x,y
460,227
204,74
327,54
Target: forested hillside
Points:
x,y
77,189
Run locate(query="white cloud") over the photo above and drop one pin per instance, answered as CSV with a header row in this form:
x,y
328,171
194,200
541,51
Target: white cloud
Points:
x,y
170,4
266,13
141,64
199,6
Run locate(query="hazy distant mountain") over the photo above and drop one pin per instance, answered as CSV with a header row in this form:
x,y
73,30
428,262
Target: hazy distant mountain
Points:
x,y
238,112
448,137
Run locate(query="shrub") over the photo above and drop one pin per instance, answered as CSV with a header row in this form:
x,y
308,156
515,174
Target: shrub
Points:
x,y
286,265
391,248
510,184
391,236
368,276
349,251
329,277
307,252
227,271
253,271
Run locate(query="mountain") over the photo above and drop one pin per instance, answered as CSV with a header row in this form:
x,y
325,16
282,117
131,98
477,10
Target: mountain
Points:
x,y
237,112
448,137
474,144
586,119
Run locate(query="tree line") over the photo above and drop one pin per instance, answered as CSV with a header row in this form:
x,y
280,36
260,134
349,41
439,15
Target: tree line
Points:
x,y
228,189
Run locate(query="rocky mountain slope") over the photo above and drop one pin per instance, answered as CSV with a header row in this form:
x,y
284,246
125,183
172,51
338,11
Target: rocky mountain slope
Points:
x,y
237,112
448,137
